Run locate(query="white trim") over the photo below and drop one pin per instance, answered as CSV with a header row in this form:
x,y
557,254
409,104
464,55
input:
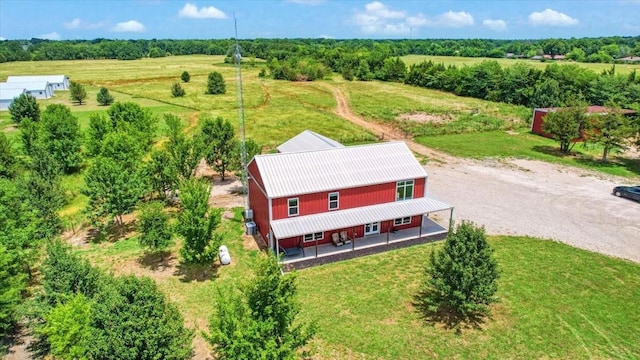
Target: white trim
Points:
x,y
372,225
289,207
404,185
337,200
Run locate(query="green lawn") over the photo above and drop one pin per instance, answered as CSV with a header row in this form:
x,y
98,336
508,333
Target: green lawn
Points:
x,y
555,301
523,144
461,61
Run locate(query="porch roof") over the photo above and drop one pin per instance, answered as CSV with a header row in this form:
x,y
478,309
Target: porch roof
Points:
x,y
342,219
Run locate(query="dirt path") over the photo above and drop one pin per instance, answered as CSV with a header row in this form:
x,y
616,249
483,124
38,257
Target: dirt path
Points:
x,y
383,131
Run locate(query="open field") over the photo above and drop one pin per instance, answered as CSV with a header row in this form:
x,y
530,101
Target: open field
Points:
x,y
461,61
578,307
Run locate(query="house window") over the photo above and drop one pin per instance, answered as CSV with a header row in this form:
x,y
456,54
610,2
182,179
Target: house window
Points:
x,y
334,200
404,190
402,221
293,206
313,237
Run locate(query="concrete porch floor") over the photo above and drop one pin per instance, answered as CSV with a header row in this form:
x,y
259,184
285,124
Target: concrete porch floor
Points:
x,y
326,253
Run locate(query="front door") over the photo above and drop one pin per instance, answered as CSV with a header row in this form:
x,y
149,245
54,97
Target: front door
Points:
x,y
373,228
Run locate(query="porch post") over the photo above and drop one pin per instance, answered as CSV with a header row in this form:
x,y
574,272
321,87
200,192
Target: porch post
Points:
x,y
421,221
388,231
277,248
353,243
314,236
451,220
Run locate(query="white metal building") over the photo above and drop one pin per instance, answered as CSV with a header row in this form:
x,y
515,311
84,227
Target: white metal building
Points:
x,y
37,89
58,82
7,96
308,141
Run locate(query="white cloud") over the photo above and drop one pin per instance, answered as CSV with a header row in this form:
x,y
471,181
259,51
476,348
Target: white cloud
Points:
x,y
73,24
50,36
2,38
80,24
455,19
325,36
378,18
551,17
495,25
129,26
191,11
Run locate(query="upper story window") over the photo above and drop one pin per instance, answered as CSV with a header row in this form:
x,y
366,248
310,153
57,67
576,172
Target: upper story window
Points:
x,y
404,190
293,206
334,200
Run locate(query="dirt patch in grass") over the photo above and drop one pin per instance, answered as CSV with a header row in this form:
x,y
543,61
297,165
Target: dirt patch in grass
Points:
x,y
424,118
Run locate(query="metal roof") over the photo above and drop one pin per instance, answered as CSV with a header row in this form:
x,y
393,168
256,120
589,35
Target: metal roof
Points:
x,y
306,141
10,93
342,219
31,78
28,85
308,172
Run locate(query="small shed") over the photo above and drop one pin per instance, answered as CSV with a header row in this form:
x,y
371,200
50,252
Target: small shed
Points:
x,y
7,96
37,89
540,113
58,82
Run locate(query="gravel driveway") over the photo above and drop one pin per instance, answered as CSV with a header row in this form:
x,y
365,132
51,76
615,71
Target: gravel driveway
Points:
x,y
523,197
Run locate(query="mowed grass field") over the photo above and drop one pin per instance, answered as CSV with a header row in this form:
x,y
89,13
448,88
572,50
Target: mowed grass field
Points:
x,y
461,61
555,301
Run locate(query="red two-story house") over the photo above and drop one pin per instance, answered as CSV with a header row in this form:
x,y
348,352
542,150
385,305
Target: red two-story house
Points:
x,y
373,194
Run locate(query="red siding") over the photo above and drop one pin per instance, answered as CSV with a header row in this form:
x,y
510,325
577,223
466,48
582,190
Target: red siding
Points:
x,y
349,198
252,169
536,126
260,205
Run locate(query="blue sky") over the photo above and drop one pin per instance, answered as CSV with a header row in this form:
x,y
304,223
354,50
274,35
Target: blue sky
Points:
x,y
340,19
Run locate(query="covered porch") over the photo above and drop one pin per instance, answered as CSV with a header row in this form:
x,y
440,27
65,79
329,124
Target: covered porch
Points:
x,y
433,226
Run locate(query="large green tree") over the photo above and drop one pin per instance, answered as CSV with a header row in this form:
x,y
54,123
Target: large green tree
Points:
x,y
67,328
216,84
461,278
196,223
219,135
132,320
13,282
8,157
186,152
260,321
565,125
104,98
132,118
612,130
24,106
77,92
61,136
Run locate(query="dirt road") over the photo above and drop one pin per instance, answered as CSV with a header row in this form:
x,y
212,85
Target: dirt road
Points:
x,y
522,197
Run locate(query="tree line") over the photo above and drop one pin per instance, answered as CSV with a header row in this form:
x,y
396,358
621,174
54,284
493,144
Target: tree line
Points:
x,y
602,49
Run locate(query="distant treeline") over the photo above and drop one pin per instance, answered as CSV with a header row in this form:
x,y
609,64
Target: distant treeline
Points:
x,y
604,49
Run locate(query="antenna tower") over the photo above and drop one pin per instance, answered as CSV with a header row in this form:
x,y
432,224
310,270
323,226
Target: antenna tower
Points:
x,y
243,150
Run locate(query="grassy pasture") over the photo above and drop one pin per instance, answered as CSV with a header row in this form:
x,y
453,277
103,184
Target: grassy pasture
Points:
x,y
580,306
461,61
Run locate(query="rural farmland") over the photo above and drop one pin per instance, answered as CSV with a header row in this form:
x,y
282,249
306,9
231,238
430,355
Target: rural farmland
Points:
x,y
567,250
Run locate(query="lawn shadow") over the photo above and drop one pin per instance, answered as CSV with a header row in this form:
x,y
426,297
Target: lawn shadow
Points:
x,y
196,272
630,164
111,233
554,151
154,261
450,319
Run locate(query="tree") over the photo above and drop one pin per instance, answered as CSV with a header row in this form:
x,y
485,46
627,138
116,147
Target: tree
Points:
x,y
177,90
161,172
219,135
185,152
260,321
461,278
216,84
24,106
547,94
132,320
104,98
77,92
8,158
196,223
133,119
565,125
67,328
12,283
113,189
99,127
153,226
29,131
612,130
185,76
61,137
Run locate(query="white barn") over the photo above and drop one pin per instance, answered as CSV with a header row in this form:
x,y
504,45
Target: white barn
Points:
x,y
37,89
58,82
7,96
